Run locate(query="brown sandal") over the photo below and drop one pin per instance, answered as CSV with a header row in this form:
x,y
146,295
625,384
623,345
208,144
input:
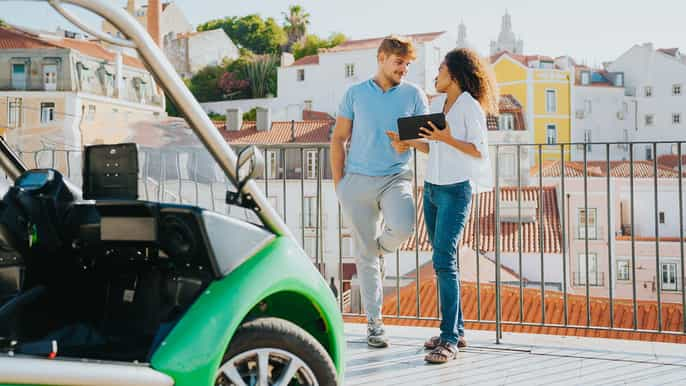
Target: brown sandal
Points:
x,y
435,340
443,353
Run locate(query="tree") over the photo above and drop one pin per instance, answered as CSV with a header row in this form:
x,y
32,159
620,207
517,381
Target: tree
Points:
x,y
312,44
232,86
252,32
296,22
204,85
261,72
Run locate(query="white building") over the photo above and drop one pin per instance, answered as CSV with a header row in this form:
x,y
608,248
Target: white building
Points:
x,y
601,113
655,81
507,41
318,82
191,52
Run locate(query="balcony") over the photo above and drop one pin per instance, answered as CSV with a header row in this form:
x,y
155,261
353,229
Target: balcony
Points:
x,y
516,257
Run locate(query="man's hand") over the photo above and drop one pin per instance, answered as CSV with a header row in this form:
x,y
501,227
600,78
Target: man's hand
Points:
x,y
398,145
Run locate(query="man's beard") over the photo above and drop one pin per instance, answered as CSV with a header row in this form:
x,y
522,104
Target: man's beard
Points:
x,y
391,80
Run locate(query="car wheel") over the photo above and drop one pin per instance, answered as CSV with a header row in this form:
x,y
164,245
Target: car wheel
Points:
x,y
272,351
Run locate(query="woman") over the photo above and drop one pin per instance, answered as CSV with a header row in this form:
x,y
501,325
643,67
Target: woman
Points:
x,y
458,160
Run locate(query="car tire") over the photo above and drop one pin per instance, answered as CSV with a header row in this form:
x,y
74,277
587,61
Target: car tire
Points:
x,y
277,335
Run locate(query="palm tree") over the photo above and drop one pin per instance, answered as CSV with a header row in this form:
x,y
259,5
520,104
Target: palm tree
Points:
x,y
261,72
296,24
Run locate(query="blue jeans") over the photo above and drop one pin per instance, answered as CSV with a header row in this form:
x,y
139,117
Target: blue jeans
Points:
x,y
445,211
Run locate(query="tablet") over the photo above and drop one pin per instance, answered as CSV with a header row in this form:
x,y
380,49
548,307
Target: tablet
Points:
x,y
408,127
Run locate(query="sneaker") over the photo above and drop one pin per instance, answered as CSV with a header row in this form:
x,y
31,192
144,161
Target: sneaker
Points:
x,y
376,336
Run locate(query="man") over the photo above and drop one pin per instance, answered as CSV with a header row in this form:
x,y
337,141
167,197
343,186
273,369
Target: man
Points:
x,y
374,180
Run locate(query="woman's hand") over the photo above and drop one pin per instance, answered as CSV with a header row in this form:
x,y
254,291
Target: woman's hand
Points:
x,y
397,144
435,134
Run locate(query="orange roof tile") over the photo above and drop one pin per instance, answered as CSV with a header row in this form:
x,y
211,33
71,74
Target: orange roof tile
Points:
x,y
373,43
672,161
621,169
14,39
312,115
523,59
282,132
507,104
672,314
306,61
509,236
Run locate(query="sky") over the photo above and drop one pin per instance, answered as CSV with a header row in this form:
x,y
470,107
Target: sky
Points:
x,y
591,31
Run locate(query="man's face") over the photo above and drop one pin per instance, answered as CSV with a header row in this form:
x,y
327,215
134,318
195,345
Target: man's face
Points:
x,y
393,67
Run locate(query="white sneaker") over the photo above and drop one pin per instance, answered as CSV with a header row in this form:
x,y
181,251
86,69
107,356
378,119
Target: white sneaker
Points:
x,y
376,335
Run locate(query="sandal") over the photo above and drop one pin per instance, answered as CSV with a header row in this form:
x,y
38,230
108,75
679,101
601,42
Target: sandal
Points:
x,y
435,340
443,353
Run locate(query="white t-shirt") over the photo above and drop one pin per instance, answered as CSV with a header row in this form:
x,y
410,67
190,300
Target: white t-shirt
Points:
x,y
447,165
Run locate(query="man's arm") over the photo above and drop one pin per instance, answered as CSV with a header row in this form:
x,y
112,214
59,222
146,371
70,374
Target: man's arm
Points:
x,y
341,134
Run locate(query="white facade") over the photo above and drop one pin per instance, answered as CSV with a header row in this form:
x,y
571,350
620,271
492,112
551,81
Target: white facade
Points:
x,y
601,114
191,52
655,83
321,86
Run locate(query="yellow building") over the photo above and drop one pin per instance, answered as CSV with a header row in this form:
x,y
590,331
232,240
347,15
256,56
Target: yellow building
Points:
x,y
543,89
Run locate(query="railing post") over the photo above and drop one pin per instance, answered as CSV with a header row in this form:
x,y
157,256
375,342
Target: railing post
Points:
x,y
498,316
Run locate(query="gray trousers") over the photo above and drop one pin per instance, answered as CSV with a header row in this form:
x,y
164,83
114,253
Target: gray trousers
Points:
x,y
365,201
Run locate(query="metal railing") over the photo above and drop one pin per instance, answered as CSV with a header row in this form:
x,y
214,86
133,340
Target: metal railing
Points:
x,y
523,259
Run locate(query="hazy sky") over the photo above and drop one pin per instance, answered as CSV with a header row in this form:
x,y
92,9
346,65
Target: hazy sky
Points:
x,y
589,30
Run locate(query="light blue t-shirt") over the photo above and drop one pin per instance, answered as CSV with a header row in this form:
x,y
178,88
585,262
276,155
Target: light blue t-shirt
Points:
x,y
374,112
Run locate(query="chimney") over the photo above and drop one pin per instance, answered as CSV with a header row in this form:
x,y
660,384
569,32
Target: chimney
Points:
x,y
154,15
131,7
287,59
119,74
264,119
292,130
234,119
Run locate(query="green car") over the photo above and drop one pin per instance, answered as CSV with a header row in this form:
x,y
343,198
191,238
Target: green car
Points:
x,y
99,287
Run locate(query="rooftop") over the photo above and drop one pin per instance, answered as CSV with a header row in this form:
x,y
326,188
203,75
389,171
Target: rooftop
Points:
x,y
621,169
281,132
373,43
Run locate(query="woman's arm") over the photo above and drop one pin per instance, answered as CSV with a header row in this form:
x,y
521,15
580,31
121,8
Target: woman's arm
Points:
x,y
444,136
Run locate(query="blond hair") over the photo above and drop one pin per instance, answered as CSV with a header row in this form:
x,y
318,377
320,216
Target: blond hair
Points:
x,y
397,45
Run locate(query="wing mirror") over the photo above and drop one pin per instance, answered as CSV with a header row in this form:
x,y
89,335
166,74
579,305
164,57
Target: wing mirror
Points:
x,y
249,164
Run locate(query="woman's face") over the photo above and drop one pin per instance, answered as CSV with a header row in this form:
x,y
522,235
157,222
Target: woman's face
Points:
x,y
443,80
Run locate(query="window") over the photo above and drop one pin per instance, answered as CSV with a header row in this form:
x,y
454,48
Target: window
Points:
x,y
272,164
14,112
310,246
300,75
676,89
649,153
593,276
90,115
588,140
669,278
310,212
676,118
311,164
619,80
551,134
648,91
550,101
507,164
592,226
50,77
506,122
19,76
47,112
349,70
346,246
588,106
650,119
661,216
585,78
623,271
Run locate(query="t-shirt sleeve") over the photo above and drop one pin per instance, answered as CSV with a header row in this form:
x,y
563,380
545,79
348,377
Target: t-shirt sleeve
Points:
x,y
421,106
475,123
345,109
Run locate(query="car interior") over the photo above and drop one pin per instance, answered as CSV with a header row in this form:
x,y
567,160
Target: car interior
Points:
x,y
104,277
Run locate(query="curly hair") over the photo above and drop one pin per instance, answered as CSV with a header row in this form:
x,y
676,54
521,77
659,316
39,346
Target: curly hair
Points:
x,y
474,75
